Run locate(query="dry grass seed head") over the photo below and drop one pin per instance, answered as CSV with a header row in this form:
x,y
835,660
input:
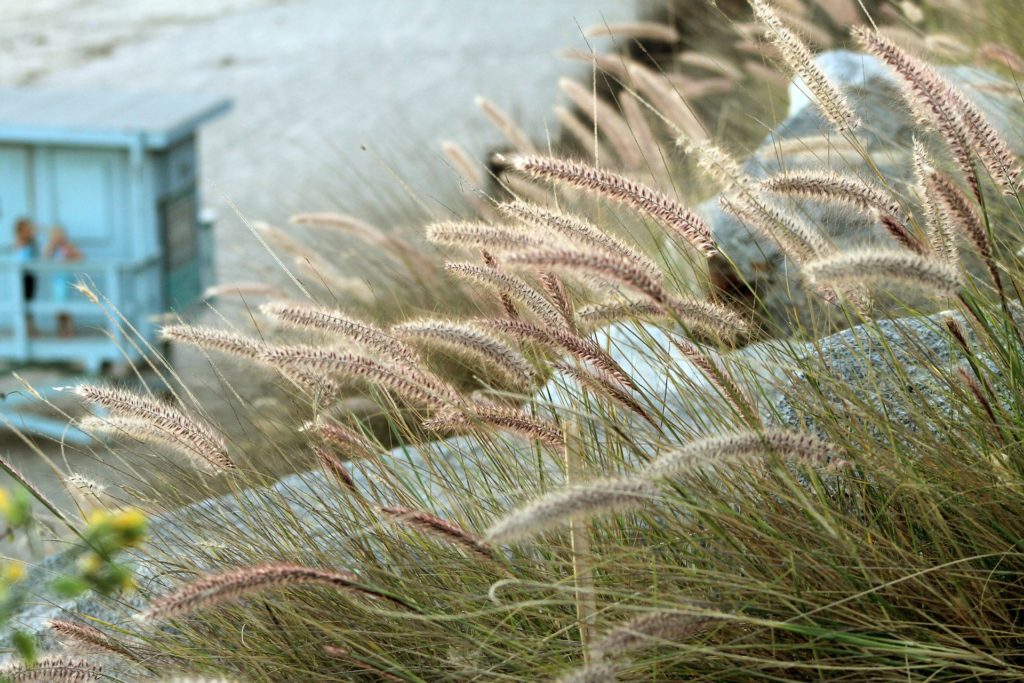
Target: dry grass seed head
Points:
x,y
437,527
580,347
190,436
87,638
799,241
215,589
353,444
832,187
940,233
578,230
512,286
679,220
51,669
603,384
482,235
471,341
597,497
651,629
412,384
506,125
634,30
337,322
831,101
739,447
884,267
510,419
213,338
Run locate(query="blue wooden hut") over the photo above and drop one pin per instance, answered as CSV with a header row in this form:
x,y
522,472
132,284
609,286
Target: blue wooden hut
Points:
x,y
119,173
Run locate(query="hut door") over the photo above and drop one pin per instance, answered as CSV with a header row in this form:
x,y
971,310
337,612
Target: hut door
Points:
x,y
179,228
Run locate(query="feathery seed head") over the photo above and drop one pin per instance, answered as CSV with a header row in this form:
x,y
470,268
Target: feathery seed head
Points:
x,y
669,213
739,447
512,286
650,629
52,670
598,497
146,418
215,589
433,525
884,267
213,338
577,230
471,341
337,322
831,101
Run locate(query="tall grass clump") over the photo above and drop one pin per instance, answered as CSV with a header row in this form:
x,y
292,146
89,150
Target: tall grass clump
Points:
x,y
675,497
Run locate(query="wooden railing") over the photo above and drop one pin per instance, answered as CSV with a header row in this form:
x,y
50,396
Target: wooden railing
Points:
x,y
128,291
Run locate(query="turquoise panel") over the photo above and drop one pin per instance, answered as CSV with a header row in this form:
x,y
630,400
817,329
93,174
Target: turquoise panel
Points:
x,y
15,190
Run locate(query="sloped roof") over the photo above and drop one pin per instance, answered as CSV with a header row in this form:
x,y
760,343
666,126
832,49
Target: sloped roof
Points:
x,y
105,118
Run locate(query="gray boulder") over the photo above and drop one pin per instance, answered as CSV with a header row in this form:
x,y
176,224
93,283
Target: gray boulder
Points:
x,y
753,264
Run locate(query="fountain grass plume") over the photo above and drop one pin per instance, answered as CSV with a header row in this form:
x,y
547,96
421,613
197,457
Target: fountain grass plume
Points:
x,y
504,123
831,101
578,230
466,340
634,30
190,436
603,384
649,630
830,186
580,347
679,220
720,378
511,286
939,105
709,318
613,311
216,589
939,231
340,323
510,419
739,447
883,267
800,241
213,338
435,526
354,445
594,498
52,669
88,638
412,384
483,235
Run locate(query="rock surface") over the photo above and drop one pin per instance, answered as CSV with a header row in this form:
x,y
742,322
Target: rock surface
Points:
x,y
805,141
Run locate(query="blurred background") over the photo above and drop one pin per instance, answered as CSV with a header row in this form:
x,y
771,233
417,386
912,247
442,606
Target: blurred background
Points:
x,y
338,105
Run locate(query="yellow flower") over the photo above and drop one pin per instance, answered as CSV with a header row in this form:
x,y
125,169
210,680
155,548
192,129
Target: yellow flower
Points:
x,y
128,520
13,572
5,502
90,563
97,516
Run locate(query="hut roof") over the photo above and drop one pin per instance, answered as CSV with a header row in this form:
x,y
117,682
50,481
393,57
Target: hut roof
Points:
x,y
103,118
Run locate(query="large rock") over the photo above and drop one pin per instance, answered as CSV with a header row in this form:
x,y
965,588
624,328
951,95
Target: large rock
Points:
x,y
753,264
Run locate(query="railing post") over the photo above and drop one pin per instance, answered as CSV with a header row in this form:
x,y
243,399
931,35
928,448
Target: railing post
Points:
x,y
113,292
20,308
